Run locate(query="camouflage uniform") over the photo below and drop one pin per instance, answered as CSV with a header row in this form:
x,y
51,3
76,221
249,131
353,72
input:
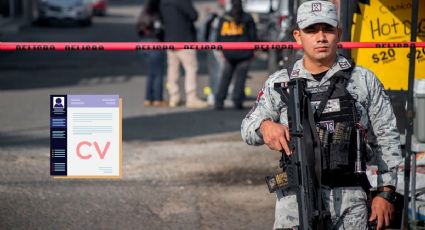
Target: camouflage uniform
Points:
x,y
347,205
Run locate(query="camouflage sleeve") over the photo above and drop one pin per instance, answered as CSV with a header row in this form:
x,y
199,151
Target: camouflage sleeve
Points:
x,y
267,106
387,155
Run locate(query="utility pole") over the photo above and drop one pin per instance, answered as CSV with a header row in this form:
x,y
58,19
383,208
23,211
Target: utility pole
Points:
x,y
346,10
11,8
409,116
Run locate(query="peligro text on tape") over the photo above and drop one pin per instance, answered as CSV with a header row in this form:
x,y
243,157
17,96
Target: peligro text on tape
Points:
x,y
155,47
131,46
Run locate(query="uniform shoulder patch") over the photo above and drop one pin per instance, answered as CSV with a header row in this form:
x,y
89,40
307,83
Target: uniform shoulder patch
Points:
x,y
260,94
295,73
344,64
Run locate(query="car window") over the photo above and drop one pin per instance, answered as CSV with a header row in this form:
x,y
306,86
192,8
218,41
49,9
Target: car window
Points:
x,y
283,7
260,6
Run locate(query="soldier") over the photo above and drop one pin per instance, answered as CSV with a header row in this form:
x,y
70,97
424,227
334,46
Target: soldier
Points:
x,y
267,123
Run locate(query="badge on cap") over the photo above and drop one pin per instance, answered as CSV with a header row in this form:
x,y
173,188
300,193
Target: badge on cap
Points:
x,y
316,7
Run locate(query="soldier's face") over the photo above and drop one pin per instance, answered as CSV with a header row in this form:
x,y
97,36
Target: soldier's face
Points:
x,y
319,41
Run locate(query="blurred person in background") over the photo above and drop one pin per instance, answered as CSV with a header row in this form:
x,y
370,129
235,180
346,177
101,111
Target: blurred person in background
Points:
x,y
235,26
178,17
215,59
149,27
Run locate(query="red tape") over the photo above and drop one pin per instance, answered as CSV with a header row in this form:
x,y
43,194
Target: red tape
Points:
x,y
133,46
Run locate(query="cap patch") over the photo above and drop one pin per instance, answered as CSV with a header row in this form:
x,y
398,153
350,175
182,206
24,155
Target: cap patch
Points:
x,y
316,7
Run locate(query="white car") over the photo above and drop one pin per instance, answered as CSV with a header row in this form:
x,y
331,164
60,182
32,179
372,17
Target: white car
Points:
x,y
76,10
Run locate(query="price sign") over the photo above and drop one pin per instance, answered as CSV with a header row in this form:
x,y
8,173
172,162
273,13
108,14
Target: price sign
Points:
x,y
389,21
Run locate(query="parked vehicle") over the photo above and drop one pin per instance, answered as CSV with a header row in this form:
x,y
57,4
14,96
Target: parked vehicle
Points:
x,y
75,10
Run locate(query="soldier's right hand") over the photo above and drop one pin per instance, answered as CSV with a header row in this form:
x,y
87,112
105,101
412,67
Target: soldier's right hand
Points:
x,y
275,136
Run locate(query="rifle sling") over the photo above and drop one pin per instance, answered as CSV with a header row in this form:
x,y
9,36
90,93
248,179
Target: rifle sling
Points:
x,y
323,214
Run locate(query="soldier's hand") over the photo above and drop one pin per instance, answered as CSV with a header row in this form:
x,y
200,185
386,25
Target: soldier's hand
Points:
x,y
275,136
383,211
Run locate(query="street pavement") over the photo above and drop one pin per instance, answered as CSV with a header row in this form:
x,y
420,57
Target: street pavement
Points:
x,y
182,168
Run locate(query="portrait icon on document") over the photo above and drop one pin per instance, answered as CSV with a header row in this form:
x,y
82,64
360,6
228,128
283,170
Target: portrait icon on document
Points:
x,y
58,102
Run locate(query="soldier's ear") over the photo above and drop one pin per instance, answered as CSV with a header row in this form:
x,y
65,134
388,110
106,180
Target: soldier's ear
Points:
x,y
297,36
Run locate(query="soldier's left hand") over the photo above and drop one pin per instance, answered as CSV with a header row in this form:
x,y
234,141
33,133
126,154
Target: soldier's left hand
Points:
x,y
383,211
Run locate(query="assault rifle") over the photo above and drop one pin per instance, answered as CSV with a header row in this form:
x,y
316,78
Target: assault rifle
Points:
x,y
302,169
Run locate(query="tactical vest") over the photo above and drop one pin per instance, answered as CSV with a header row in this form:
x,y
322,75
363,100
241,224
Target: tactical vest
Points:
x,y
336,121
340,139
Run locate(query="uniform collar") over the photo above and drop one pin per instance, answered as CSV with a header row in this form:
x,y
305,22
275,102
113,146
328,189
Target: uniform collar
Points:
x,y
299,71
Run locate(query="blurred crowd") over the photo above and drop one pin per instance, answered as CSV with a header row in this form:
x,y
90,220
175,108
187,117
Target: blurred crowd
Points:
x,y
173,21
